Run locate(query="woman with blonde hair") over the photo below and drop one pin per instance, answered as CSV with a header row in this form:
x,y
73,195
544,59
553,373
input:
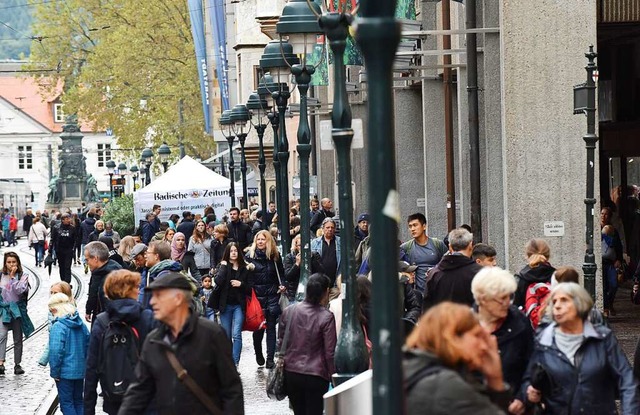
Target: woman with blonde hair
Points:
x,y
440,353
124,249
537,270
68,342
121,287
267,280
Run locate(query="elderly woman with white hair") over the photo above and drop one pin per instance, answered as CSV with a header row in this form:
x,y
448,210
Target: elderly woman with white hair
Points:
x,y
577,367
493,290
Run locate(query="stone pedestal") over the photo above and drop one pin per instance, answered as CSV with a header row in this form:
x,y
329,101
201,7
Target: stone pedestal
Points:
x,y
72,183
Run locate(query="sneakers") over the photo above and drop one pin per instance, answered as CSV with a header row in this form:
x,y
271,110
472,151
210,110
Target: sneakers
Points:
x,y
270,364
18,370
259,359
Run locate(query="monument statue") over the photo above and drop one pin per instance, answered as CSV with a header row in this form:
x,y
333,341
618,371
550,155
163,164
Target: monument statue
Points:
x,y
54,195
91,194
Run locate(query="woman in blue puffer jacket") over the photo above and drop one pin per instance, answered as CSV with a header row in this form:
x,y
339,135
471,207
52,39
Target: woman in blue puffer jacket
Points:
x,y
68,343
576,367
267,280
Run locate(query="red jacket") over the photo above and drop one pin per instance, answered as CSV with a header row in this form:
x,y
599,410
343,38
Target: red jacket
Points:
x,y
13,223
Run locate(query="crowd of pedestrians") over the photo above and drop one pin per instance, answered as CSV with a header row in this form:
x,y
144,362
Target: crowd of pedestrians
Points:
x,y
167,306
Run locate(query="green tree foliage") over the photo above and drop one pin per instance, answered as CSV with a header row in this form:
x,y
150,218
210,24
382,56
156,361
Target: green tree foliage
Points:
x,y
125,65
15,31
119,211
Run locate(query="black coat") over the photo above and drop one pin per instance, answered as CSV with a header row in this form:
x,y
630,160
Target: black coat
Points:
x,y
63,239
130,312
451,281
218,300
317,218
217,250
205,352
240,233
189,265
87,226
264,280
292,271
27,221
96,302
412,303
186,227
527,276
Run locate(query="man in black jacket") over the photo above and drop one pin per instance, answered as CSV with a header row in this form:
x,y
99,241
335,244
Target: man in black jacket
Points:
x,y
323,213
239,231
96,254
186,226
63,241
451,279
200,347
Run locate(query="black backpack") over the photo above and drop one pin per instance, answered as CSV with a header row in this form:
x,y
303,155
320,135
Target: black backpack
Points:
x,y
117,358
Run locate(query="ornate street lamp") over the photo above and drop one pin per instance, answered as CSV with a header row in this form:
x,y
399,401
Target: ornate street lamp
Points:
x,y
240,126
111,166
584,100
225,126
164,152
299,23
122,170
145,158
265,88
378,35
134,175
259,108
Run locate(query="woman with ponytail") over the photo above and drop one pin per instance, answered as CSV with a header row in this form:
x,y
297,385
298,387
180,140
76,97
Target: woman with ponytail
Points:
x,y
537,270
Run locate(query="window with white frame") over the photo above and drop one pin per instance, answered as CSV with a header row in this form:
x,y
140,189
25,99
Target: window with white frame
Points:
x,y
104,154
25,157
58,113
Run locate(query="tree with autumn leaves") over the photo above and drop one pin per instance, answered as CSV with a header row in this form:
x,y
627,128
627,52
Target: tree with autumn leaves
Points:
x,y
123,65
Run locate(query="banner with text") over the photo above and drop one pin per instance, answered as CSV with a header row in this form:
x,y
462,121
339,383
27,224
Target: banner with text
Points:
x,y
197,31
219,32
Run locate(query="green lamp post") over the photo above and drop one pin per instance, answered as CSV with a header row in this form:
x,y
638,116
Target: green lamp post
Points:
x,y
259,108
122,171
241,126
164,152
378,35
299,23
111,167
225,125
276,58
134,175
145,158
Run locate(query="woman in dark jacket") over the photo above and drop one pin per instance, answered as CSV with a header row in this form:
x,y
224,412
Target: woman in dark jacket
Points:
x,y
537,269
307,336
492,290
121,287
292,267
231,296
218,244
584,367
266,280
446,346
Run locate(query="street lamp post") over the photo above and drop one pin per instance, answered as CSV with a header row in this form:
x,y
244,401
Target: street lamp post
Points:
x,y
164,152
259,108
299,22
378,35
240,125
585,102
122,169
225,126
134,175
111,166
147,156
276,58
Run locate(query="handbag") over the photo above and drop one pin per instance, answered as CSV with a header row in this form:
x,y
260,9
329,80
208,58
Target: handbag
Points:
x,y
276,388
254,317
188,381
283,302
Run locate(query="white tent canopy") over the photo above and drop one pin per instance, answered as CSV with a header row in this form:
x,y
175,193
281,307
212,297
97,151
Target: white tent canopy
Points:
x,y
187,185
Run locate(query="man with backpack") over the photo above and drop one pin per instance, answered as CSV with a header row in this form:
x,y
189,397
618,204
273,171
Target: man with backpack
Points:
x,y
186,363
117,335
421,250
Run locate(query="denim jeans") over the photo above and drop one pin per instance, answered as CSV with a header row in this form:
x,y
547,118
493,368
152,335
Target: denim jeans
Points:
x,y
231,320
70,396
610,284
39,247
7,237
210,313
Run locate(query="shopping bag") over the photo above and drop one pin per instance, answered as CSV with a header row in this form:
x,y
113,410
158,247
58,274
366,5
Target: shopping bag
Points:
x,y
254,317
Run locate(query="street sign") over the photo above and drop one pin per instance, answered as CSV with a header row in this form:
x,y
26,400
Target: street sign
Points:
x,y
326,142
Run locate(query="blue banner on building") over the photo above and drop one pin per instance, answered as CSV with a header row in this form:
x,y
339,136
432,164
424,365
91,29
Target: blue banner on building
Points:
x,y
220,48
197,31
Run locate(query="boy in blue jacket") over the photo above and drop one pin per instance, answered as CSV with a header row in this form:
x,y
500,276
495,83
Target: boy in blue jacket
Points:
x,y
68,343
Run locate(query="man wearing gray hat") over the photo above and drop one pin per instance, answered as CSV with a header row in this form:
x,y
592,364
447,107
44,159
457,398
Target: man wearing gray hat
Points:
x,y
187,347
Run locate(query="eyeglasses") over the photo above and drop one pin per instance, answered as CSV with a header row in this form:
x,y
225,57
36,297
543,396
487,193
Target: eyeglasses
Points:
x,y
504,299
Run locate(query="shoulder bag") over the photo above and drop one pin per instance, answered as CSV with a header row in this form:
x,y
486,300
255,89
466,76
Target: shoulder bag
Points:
x,y
283,302
188,381
276,389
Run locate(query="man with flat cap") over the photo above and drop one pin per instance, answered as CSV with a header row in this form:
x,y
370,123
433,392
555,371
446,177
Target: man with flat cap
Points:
x,y
184,343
